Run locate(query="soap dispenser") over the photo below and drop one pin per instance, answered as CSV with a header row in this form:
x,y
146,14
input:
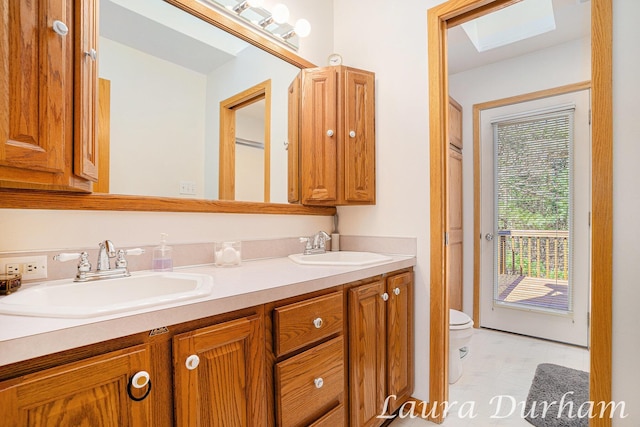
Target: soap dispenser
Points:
x,y
162,260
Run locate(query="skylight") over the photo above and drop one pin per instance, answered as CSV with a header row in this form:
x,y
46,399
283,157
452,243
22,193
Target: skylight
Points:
x,y
520,21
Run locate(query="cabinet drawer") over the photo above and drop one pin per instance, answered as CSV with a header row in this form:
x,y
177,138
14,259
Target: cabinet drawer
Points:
x,y
310,383
305,322
333,418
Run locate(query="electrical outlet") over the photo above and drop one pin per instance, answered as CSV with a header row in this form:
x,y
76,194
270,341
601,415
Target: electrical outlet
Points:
x,y
188,187
31,267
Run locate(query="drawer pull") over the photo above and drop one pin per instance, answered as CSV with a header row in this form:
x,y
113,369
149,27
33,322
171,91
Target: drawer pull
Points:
x,y
192,362
385,296
330,132
319,382
317,323
396,291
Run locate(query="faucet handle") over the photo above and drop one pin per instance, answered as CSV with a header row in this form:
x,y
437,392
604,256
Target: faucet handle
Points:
x,y
121,261
84,265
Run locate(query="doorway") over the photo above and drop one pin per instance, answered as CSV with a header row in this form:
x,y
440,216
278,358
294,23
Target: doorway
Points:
x,y
535,201
245,163
453,13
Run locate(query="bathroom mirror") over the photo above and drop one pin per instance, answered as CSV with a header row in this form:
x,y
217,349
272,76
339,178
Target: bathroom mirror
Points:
x,y
169,72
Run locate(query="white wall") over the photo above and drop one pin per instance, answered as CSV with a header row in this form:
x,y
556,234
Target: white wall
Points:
x,y
516,76
391,40
626,207
147,131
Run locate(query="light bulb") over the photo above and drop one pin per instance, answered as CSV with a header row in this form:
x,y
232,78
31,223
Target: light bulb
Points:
x,y
255,3
302,27
280,13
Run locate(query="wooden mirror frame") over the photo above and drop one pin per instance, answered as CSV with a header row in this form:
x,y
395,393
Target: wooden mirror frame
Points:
x,y
41,199
440,18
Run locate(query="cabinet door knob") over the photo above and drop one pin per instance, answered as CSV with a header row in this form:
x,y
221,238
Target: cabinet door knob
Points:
x,y
385,296
317,323
330,132
352,134
138,381
396,291
319,382
60,28
92,54
192,362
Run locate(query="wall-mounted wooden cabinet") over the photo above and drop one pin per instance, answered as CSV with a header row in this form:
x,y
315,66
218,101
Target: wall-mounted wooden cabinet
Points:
x,y
336,136
45,81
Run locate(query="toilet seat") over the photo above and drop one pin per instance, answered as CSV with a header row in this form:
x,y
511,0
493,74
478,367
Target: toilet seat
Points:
x,y
459,320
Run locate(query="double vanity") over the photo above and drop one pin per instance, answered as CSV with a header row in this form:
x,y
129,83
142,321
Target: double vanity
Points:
x,y
302,340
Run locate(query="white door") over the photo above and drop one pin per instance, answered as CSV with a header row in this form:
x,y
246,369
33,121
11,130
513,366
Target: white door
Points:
x,y
535,202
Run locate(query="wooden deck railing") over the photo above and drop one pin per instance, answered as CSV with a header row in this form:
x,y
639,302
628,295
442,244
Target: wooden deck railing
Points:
x,y
534,253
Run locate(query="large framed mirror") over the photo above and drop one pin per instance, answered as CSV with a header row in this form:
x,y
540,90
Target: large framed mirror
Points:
x,y
168,67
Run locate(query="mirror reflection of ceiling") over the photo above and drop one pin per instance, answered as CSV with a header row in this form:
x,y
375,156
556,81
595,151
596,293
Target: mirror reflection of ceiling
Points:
x,y
572,19
164,31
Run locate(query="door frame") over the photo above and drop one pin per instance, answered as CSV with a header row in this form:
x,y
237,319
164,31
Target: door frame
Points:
x,y
477,203
227,162
454,12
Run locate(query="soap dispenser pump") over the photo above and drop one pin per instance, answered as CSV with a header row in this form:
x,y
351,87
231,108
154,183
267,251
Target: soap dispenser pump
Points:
x,y
162,255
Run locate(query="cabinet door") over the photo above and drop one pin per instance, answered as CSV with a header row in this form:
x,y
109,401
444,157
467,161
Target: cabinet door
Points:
x,y
35,76
367,358
219,375
455,123
400,339
85,158
454,260
358,154
293,143
92,392
319,136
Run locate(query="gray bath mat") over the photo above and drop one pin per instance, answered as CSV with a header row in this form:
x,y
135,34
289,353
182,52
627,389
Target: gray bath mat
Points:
x,y
556,396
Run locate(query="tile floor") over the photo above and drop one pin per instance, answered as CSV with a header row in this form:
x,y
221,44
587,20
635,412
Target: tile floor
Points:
x,y
500,364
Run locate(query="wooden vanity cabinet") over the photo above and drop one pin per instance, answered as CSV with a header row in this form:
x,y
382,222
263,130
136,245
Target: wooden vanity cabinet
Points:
x,y
335,107
380,347
46,79
219,375
307,352
88,392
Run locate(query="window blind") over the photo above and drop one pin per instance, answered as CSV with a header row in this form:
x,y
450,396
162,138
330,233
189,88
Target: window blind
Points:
x,y
533,192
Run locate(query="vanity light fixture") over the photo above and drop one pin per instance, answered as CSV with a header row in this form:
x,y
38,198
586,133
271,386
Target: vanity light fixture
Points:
x,y
273,23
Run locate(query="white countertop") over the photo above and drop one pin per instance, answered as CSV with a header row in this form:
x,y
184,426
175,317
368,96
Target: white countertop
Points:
x,y
253,283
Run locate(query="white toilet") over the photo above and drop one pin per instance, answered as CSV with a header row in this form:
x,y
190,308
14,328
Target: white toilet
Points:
x,y
460,332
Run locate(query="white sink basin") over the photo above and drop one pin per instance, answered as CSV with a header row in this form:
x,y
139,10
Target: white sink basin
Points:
x,y
90,299
340,258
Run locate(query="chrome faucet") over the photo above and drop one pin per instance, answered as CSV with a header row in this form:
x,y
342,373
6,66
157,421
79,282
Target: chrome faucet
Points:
x,y
106,251
315,244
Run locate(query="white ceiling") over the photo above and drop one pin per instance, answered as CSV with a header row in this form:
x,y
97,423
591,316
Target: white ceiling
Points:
x,y
573,21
